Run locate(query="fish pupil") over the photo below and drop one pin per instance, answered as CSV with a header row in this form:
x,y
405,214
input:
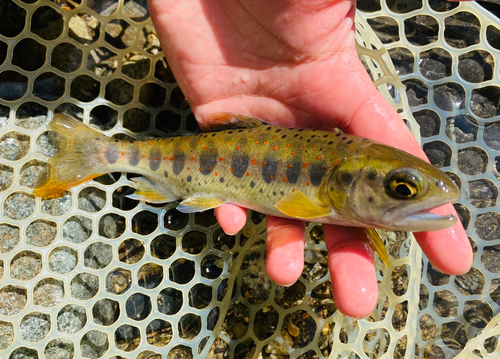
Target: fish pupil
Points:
x,y
404,190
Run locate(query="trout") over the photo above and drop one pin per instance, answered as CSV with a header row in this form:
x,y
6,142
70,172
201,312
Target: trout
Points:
x,y
326,177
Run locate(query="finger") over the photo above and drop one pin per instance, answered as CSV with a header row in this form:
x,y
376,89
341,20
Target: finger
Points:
x,y
285,249
352,269
231,218
449,249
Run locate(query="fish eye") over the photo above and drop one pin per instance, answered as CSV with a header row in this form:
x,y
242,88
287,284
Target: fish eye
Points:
x,y
403,184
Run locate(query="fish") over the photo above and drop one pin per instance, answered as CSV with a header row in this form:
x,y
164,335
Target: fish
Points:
x,y
319,176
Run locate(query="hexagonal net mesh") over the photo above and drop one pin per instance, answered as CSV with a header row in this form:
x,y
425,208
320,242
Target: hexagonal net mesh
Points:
x,y
94,274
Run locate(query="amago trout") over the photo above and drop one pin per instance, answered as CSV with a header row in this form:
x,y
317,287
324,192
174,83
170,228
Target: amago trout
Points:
x,y
326,177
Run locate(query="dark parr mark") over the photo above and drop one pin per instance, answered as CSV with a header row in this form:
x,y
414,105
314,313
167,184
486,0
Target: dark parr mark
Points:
x,y
240,163
317,173
111,154
208,160
252,184
346,178
189,178
178,164
133,157
155,159
269,170
165,174
293,171
221,180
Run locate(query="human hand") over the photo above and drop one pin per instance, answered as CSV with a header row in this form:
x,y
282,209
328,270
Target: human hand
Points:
x,y
294,64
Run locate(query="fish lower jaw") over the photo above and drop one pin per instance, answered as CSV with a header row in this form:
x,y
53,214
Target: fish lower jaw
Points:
x,y
423,221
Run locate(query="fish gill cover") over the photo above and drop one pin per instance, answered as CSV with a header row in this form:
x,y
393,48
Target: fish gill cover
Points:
x,y
94,274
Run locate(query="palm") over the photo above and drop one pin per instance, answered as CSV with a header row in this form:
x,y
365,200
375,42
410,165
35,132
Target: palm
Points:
x,y
233,57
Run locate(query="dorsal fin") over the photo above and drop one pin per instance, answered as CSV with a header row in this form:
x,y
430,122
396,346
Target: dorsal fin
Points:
x,y
225,121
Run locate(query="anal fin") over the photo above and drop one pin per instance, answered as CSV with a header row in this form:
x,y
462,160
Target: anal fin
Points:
x,y
298,205
147,190
199,202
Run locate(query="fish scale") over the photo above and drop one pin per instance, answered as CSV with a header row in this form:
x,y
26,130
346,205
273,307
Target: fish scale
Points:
x,y
328,177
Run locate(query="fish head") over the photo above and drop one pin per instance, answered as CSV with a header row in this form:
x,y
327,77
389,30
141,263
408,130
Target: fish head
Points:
x,y
391,189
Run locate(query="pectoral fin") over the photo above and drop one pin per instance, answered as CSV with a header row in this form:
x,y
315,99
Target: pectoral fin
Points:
x,y
371,236
199,202
298,205
147,190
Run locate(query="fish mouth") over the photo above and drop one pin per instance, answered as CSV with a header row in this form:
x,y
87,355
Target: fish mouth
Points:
x,y
422,221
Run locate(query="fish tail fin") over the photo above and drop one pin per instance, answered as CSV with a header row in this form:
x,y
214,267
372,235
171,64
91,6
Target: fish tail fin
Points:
x,y
75,160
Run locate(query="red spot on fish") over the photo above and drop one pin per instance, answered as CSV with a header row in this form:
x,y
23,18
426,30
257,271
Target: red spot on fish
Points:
x,y
256,141
200,169
123,153
216,173
231,169
265,142
319,157
293,153
284,179
230,143
325,167
350,147
149,158
138,145
336,162
171,158
314,146
305,165
210,168
308,184
143,156
250,137
189,141
293,190
205,147
223,143
180,149
157,158
290,166
213,150
238,147
192,158
274,137
248,174
271,176
164,158
221,159
287,145
303,146
164,143
122,145
197,142
275,148
254,162
263,163
187,168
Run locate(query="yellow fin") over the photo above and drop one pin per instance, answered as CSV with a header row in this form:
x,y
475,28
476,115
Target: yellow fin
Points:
x,y
74,162
149,191
298,205
199,202
371,236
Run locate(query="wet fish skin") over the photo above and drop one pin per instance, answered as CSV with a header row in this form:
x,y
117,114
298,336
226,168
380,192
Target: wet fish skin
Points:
x,y
328,177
